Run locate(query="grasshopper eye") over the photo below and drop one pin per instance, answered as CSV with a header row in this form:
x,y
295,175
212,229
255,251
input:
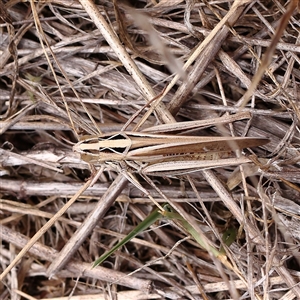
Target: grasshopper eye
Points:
x,y
90,146
103,146
91,151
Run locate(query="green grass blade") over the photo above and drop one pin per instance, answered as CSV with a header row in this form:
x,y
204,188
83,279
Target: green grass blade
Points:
x,y
152,218
229,236
203,243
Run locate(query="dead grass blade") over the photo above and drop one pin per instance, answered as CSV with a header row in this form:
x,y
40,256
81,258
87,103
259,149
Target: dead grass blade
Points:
x,y
40,233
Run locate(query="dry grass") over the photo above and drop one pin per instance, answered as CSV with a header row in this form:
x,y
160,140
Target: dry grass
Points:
x,y
63,75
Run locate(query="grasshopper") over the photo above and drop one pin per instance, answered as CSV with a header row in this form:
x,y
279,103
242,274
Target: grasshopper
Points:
x,y
161,154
